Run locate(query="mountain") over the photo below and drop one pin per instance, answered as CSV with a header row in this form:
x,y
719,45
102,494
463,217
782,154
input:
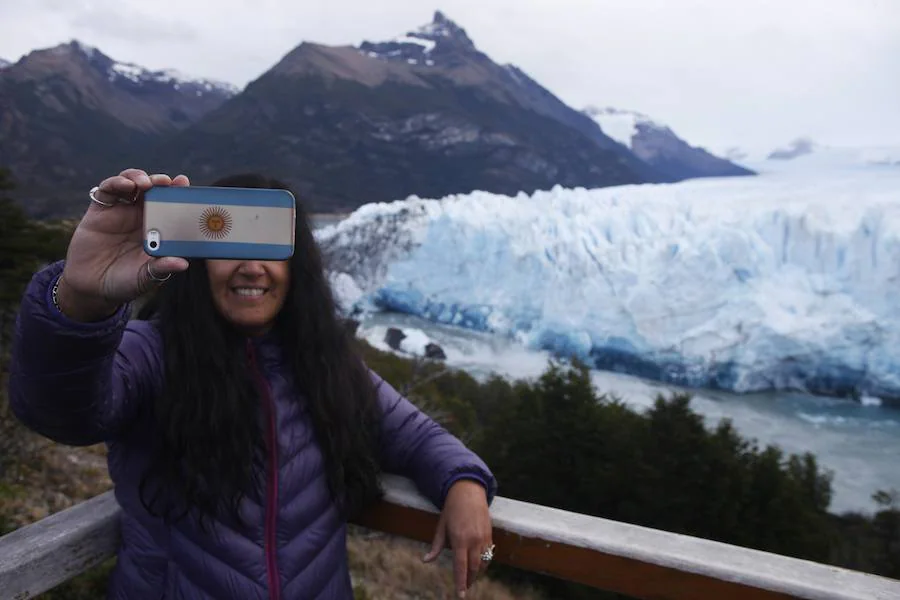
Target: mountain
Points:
x,y
660,147
425,113
70,114
4,64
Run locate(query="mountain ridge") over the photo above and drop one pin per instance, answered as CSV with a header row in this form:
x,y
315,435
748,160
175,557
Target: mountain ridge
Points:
x,y
425,113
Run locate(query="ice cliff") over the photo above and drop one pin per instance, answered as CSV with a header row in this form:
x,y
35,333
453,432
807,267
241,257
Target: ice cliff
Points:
x,y
745,285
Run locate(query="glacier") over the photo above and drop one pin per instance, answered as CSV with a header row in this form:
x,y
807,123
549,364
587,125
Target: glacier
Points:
x,y
783,282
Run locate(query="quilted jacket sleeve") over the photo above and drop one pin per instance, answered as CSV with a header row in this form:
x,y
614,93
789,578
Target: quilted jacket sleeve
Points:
x,y
415,446
78,383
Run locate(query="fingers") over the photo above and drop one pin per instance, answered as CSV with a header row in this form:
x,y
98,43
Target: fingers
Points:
x,y
475,566
461,571
437,545
165,265
130,183
125,185
467,565
160,179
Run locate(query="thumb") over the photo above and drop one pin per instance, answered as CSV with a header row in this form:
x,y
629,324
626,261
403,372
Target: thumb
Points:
x,y
157,270
437,545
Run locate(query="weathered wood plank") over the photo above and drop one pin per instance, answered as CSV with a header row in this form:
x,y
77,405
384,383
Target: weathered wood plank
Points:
x,y
640,562
637,561
42,555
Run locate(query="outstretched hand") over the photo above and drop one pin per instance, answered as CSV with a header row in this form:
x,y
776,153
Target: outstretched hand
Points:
x,y
106,265
466,524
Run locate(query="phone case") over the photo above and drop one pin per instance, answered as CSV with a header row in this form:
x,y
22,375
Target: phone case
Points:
x,y
219,222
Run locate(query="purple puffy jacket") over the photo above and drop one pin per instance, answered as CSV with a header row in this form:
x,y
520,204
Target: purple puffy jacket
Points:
x,y
86,383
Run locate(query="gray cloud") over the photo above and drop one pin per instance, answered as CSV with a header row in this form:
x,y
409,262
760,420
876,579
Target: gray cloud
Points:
x,y
754,73
106,19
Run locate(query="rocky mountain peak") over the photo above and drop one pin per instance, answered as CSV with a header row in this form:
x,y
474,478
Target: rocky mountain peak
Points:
x,y
443,30
424,45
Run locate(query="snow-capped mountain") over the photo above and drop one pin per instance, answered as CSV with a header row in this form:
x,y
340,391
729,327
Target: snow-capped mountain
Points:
x,y
4,64
130,74
71,114
660,147
745,284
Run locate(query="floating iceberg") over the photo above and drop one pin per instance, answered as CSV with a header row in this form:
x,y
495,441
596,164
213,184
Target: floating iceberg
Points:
x,y
775,282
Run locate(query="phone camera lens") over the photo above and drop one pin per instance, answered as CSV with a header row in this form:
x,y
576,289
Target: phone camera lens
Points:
x,y
154,245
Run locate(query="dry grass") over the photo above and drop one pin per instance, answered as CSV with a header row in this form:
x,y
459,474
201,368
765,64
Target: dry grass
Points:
x,y
53,478
389,568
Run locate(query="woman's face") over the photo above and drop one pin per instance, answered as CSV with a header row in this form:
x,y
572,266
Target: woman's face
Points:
x,y
249,293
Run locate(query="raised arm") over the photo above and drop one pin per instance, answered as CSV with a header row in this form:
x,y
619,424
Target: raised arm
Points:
x,y
415,446
79,370
74,382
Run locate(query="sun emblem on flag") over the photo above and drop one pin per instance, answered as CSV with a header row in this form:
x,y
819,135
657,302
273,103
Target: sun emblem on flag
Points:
x,y
215,223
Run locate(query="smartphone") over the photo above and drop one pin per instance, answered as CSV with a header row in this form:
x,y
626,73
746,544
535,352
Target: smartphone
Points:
x,y
219,222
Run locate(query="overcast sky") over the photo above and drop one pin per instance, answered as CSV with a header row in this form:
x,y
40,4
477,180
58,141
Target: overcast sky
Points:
x,y
751,73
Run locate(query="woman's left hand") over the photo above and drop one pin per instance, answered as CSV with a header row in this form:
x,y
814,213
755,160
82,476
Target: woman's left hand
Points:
x,y
466,523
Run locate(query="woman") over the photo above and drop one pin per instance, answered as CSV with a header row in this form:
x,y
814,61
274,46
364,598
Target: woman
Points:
x,y
243,431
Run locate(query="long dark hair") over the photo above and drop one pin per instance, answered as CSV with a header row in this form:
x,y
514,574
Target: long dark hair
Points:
x,y
209,450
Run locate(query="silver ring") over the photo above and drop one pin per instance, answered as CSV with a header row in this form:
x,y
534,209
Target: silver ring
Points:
x,y
488,555
154,277
94,198
93,191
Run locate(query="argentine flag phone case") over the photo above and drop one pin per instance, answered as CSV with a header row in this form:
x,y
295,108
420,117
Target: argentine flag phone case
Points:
x,y
219,222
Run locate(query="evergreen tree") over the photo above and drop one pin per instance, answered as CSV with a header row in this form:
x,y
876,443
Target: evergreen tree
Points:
x,y
25,246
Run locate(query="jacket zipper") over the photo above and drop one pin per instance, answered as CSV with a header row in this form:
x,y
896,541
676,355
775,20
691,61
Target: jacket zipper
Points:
x,y
271,478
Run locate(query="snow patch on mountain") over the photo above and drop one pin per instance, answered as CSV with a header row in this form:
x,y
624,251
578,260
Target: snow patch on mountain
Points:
x,y
621,125
418,45
138,75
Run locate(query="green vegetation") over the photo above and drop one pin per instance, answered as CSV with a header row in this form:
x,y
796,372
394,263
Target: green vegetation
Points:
x,y
559,442
25,245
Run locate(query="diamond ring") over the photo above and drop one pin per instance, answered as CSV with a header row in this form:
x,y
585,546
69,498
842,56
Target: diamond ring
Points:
x,y
488,554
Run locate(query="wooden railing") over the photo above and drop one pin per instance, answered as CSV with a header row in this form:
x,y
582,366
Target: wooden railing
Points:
x,y
636,561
